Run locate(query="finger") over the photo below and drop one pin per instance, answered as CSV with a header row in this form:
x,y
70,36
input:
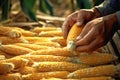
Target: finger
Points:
x,y
87,39
68,24
90,47
85,30
80,19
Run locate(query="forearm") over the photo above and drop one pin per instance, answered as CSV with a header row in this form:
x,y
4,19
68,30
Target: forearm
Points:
x,y
112,22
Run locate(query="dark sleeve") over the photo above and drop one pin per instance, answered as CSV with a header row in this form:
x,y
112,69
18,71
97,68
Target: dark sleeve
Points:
x,y
108,7
118,17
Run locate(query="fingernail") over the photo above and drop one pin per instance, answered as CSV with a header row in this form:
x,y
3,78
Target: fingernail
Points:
x,y
78,38
79,23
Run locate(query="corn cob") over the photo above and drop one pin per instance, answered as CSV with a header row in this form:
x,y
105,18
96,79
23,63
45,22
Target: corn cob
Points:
x,y
7,40
28,33
50,33
25,32
38,76
37,39
7,31
72,35
27,70
15,76
5,54
96,58
32,46
58,66
106,70
98,78
59,40
6,67
43,58
18,62
15,50
40,29
17,28
50,44
55,51
2,57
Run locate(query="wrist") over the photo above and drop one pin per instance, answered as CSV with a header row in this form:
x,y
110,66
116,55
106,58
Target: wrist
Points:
x,y
111,19
96,13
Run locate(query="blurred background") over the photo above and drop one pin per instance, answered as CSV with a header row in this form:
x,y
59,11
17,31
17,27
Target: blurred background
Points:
x,y
41,11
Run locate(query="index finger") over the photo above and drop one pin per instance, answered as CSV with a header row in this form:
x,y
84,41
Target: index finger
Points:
x,y
68,23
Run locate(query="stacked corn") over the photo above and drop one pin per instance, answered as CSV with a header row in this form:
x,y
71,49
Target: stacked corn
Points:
x,y
41,53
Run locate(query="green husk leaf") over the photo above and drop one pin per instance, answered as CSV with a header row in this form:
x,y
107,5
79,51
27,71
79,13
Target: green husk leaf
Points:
x,y
28,7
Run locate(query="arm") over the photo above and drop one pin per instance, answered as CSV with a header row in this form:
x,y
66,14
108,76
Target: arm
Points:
x,y
108,7
97,33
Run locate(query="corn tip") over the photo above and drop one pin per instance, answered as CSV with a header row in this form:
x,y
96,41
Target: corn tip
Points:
x,y
11,66
71,45
41,33
71,75
24,40
35,65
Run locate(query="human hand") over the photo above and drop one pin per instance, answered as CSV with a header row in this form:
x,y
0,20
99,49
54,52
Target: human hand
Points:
x,y
79,17
96,33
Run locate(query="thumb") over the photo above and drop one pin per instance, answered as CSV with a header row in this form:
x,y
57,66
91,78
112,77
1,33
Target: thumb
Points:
x,y
80,20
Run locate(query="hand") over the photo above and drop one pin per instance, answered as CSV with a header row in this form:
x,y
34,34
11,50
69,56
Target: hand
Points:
x,y
80,17
96,33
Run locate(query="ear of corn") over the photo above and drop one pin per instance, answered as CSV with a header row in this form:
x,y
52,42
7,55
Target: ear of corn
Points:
x,y
58,66
106,70
98,78
27,70
17,28
72,35
28,33
50,44
8,40
32,46
40,29
43,58
6,68
50,33
2,57
55,51
15,50
18,62
15,76
14,34
24,32
37,76
5,54
96,58
59,40
7,31
37,39
4,30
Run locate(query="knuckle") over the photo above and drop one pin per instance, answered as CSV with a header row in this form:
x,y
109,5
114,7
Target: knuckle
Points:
x,y
86,41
